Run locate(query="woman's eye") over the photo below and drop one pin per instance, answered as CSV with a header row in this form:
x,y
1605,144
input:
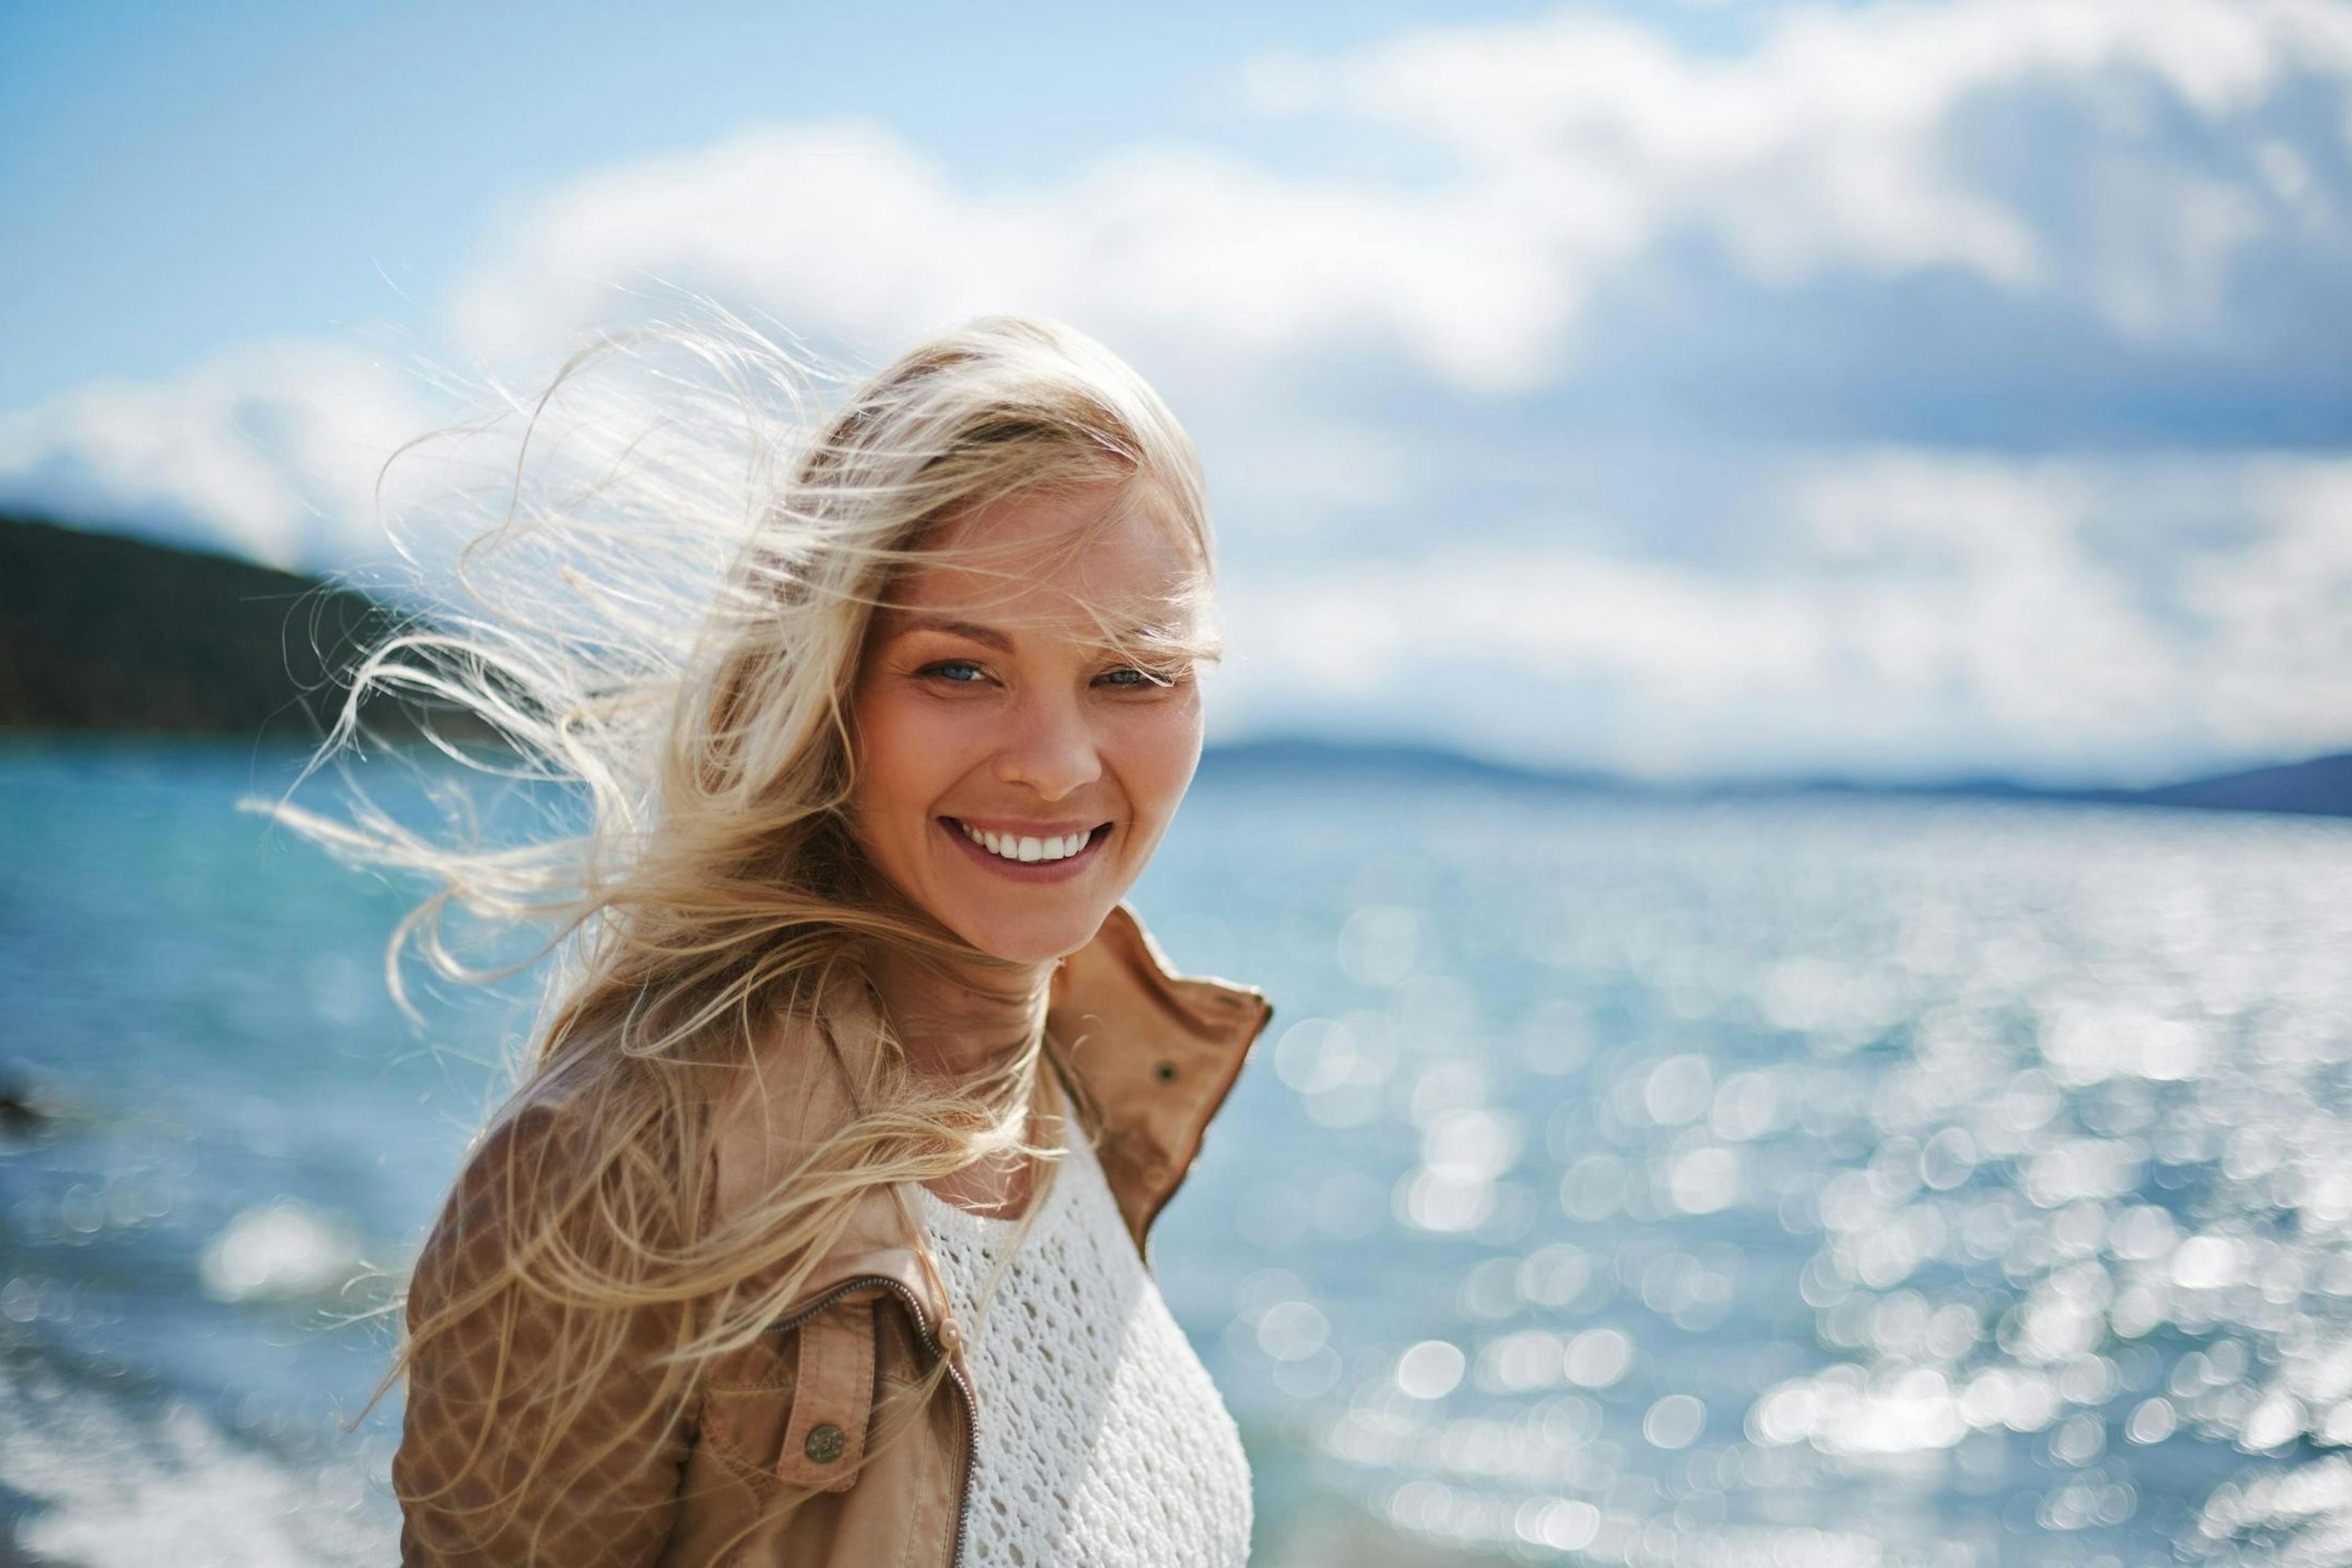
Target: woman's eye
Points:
x,y
957,672
1131,678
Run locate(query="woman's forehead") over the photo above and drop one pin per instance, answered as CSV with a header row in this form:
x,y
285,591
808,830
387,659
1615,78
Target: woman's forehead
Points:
x,y
1048,558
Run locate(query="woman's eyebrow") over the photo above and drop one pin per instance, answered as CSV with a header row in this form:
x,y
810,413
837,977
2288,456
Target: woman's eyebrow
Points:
x,y
1127,631
989,636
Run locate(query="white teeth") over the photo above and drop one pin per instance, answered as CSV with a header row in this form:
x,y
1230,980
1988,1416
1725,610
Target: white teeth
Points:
x,y
1059,846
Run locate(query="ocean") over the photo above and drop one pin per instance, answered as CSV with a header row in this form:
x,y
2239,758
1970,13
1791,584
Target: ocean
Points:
x,y
1806,1181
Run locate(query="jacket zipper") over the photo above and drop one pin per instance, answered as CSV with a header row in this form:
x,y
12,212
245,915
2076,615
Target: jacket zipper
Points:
x,y
955,1375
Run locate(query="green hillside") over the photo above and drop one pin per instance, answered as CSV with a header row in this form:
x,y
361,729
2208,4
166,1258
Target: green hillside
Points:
x,y
99,632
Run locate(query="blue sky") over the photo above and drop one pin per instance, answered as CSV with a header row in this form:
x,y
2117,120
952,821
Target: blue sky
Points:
x,y
1695,389
183,175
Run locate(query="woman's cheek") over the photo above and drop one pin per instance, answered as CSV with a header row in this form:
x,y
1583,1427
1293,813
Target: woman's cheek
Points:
x,y
1163,749
921,726
900,752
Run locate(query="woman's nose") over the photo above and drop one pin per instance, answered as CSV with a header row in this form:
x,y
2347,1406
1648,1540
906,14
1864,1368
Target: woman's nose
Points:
x,y
1050,748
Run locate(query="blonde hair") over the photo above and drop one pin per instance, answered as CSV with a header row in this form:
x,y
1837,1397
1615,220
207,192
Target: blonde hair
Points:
x,y
665,619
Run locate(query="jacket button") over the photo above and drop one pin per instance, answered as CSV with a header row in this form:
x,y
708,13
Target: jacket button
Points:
x,y
1165,1072
825,1443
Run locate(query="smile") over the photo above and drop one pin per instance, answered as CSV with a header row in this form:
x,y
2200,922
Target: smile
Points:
x,y
1031,852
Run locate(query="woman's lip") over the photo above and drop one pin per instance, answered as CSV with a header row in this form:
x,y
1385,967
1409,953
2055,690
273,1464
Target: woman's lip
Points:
x,y
1027,829
1029,871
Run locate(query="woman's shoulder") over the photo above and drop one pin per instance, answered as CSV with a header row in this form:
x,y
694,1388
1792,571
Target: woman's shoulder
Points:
x,y
753,1117
794,1093
523,1170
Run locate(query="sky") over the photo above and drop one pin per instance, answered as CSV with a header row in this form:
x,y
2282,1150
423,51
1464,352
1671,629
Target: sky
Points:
x,y
1693,390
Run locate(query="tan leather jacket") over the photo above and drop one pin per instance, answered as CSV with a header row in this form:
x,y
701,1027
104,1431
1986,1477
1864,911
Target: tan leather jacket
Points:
x,y
1149,1056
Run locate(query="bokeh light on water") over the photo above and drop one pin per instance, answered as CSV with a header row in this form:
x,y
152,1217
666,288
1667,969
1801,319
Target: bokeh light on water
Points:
x,y
1794,1183
1800,1183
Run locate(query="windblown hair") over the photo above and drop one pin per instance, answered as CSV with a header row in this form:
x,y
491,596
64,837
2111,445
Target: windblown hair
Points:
x,y
664,622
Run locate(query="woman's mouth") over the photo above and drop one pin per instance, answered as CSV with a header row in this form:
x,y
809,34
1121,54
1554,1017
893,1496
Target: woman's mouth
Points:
x,y
1029,857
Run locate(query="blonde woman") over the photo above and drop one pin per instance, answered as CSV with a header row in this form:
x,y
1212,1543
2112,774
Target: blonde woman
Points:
x,y
815,1231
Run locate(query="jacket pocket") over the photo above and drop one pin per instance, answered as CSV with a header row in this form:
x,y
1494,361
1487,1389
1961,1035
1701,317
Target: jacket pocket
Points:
x,y
796,1404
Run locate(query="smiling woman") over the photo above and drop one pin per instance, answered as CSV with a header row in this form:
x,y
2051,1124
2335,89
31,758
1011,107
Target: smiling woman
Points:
x,y
815,1230
1005,739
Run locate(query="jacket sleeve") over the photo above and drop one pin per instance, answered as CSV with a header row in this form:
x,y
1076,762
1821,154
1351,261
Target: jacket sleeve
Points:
x,y
498,1465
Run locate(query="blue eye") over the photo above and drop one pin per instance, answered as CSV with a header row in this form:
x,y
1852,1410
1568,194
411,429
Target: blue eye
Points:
x,y
956,672
1131,678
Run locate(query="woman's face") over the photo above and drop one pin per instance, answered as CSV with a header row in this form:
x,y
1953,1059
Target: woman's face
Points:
x,y
1014,772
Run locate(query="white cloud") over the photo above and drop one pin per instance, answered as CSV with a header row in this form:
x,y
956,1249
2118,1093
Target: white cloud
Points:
x,y
270,451
2279,661
1579,145
1920,612
842,227
1839,141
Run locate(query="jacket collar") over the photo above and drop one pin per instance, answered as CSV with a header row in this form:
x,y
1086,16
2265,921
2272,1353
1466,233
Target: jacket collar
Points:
x,y
1148,1055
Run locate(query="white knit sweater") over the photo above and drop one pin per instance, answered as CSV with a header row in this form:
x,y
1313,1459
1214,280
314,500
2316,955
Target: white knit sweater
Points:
x,y
1102,1440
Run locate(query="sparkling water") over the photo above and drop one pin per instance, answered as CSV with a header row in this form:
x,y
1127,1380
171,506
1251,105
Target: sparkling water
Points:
x,y
1799,1182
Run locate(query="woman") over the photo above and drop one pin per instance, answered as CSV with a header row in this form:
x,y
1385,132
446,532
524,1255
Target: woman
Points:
x,y
815,1231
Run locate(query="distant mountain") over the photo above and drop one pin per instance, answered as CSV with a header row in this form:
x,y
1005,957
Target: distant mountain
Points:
x,y
99,632
1392,762
2321,787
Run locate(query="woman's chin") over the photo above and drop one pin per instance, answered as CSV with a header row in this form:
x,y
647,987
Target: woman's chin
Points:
x,y
1032,937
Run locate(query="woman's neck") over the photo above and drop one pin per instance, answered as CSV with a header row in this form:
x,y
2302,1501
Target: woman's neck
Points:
x,y
961,1024
966,1027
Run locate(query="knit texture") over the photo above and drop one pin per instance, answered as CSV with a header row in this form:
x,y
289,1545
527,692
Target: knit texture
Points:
x,y
1102,1440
